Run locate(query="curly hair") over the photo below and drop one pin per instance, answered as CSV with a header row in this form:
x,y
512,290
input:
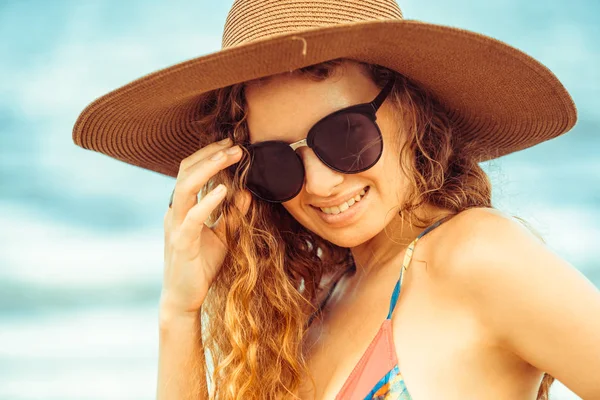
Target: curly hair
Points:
x,y
254,318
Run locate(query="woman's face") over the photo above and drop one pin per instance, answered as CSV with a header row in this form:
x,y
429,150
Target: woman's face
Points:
x,y
285,108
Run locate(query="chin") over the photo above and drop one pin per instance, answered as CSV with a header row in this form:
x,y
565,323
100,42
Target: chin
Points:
x,y
350,242
349,237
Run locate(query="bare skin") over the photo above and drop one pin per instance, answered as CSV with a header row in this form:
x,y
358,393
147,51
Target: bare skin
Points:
x,y
444,350
193,254
485,306
488,308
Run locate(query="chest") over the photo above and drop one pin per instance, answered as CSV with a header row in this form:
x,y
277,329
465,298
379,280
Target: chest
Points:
x,y
441,349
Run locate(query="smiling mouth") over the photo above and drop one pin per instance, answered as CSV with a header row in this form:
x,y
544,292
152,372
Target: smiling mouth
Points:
x,y
344,206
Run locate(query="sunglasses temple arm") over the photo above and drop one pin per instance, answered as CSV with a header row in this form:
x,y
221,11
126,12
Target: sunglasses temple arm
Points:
x,y
383,94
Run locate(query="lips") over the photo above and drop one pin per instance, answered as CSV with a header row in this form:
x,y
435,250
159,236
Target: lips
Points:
x,y
350,200
347,217
342,207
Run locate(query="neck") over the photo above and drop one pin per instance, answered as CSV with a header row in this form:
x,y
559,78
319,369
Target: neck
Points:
x,y
372,256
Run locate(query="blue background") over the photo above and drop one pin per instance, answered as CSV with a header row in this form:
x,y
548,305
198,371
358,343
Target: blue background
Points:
x,y
81,233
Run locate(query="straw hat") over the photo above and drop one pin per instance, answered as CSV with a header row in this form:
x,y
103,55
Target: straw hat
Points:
x,y
499,97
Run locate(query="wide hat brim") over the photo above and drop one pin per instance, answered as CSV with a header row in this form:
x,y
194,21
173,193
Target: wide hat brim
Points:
x,y
500,98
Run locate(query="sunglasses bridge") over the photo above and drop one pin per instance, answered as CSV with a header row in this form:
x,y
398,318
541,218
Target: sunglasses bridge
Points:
x,y
299,143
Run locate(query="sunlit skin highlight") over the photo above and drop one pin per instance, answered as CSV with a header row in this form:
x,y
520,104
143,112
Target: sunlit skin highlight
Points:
x,y
285,108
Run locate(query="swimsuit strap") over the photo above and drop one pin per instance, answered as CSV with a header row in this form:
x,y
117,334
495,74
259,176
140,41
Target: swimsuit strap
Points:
x,y
406,262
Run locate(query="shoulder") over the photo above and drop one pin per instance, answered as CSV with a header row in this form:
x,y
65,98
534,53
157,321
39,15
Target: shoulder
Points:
x,y
533,302
483,224
491,262
505,273
480,238
485,233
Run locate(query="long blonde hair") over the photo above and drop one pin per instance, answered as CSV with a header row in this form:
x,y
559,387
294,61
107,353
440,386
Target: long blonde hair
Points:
x,y
255,314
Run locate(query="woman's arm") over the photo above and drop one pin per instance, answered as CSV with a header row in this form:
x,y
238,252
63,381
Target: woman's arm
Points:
x,y
181,371
539,306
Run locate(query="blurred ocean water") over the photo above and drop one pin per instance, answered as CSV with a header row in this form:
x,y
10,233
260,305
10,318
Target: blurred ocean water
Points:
x,y
81,234
87,353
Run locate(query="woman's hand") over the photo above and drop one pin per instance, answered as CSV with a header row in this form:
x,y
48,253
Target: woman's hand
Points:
x,y
195,252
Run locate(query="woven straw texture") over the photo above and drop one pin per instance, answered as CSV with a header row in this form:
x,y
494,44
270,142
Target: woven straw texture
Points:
x,y
499,97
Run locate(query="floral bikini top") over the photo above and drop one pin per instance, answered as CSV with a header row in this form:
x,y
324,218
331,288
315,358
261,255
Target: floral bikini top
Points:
x,y
377,376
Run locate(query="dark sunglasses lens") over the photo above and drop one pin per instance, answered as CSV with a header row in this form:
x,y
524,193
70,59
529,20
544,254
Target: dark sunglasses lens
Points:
x,y
276,173
349,142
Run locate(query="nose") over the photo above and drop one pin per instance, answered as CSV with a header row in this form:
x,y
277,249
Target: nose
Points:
x,y
319,180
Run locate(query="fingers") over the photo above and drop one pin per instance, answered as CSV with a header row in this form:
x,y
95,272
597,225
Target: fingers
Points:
x,y
242,201
192,226
203,153
190,180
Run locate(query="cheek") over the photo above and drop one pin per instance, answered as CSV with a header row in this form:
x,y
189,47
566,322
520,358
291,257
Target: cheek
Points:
x,y
388,176
293,207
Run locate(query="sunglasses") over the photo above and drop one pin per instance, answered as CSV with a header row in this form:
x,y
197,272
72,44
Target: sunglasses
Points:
x,y
348,141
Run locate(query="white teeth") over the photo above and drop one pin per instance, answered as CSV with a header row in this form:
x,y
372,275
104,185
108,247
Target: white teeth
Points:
x,y
345,205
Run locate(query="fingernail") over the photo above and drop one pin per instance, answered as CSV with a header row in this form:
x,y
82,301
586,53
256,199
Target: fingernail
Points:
x,y
233,150
224,141
219,189
217,156
171,199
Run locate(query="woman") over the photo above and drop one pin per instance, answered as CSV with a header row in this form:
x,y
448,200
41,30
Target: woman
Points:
x,y
351,249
